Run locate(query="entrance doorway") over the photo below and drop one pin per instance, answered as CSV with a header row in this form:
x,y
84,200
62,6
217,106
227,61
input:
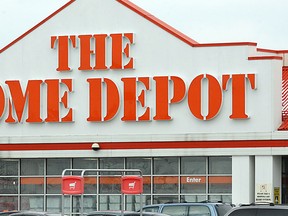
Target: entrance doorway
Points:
x,y
284,194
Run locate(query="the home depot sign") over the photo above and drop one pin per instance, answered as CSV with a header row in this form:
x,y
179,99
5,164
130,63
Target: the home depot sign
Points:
x,y
104,93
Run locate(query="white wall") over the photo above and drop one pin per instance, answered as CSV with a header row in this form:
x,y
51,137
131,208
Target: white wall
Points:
x,y
243,179
267,177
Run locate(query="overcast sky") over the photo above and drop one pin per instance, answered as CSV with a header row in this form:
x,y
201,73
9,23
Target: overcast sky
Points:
x,y
262,21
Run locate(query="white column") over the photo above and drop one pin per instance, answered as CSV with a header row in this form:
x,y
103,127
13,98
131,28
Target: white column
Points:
x,y
267,177
242,179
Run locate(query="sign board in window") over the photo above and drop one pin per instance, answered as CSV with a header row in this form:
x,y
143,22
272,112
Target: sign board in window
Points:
x,y
72,185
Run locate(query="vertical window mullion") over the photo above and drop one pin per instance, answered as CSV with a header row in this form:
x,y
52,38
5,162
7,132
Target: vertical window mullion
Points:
x,y
207,178
179,179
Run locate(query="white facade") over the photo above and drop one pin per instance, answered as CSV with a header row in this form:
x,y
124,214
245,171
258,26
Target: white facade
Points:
x,y
157,51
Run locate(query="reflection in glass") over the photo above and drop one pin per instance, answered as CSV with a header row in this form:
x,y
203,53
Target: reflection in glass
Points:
x,y
220,184
8,167
193,198
90,204
165,184
110,202
133,202
32,185
53,185
110,185
84,163
35,203
193,165
193,184
144,164
32,167
54,203
165,199
56,166
167,165
8,185
222,198
220,165
8,203
111,163
90,185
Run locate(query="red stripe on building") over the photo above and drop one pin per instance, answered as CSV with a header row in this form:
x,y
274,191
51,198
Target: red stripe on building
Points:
x,y
145,145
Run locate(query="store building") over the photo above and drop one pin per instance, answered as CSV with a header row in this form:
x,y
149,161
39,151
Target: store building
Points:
x,y
202,121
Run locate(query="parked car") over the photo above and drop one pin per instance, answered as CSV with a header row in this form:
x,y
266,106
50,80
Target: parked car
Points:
x,y
125,213
190,209
259,210
34,213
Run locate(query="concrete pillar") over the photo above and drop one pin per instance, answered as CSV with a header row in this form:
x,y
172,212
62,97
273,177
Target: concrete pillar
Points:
x,y
243,179
267,178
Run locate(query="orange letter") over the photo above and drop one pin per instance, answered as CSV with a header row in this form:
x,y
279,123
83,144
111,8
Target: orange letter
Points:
x,y
117,51
2,101
130,106
162,96
53,110
100,57
18,100
95,99
238,93
195,97
85,52
63,50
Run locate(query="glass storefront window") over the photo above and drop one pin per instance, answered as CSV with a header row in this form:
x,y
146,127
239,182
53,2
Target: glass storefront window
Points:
x,y
165,166
111,163
32,185
110,185
54,203
221,198
8,185
193,165
193,198
157,199
54,185
165,179
133,202
8,167
193,184
220,165
90,204
220,184
32,167
144,164
165,184
90,185
110,202
35,203
8,203
56,166
85,163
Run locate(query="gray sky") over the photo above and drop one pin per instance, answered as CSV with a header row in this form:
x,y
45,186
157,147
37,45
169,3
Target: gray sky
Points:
x,y
262,21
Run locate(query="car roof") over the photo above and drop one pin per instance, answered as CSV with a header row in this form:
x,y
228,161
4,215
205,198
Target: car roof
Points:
x,y
259,206
263,207
127,213
186,203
